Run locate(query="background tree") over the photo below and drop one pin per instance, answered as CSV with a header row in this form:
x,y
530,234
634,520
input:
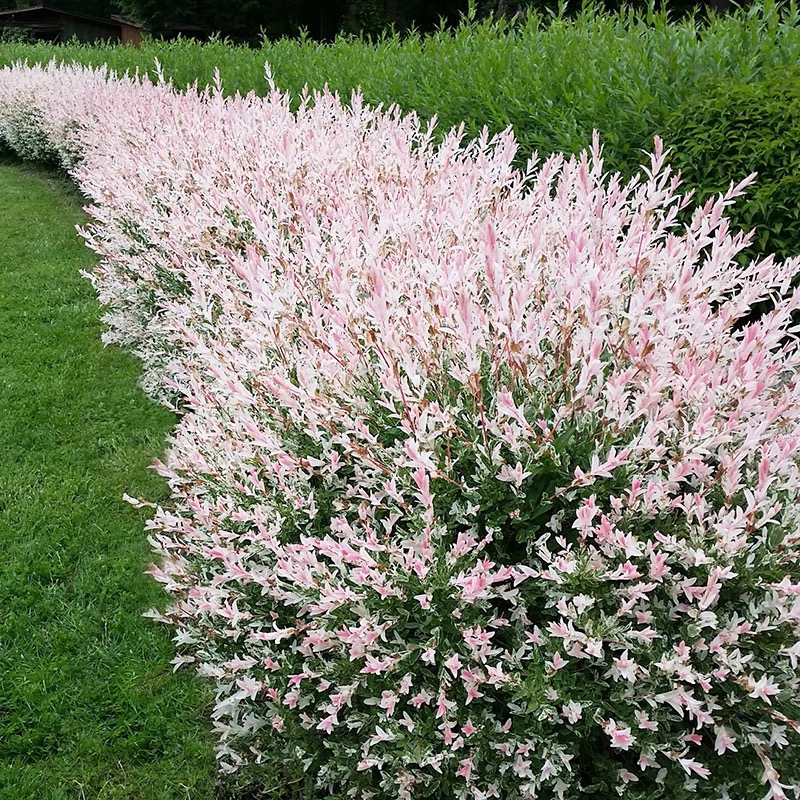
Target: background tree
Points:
x,y
243,21
246,20
323,19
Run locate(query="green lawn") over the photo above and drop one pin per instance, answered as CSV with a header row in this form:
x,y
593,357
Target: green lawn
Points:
x,y
89,706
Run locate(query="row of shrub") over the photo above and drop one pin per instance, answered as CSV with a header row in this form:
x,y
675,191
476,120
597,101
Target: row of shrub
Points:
x,y
480,488
708,87
553,79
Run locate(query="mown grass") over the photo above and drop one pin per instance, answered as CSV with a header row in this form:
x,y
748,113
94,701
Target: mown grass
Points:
x,y
89,706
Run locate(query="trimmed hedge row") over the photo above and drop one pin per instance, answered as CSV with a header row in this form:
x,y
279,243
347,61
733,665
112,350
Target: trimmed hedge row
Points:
x,y
553,79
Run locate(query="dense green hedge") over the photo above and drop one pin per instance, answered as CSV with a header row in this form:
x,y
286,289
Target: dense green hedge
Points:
x,y
731,129
554,79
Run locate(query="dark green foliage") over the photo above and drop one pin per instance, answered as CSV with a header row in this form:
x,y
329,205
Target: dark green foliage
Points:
x,y
367,17
244,21
322,19
731,129
13,35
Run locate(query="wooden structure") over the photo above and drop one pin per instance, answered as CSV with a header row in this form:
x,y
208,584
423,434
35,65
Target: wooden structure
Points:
x,y
48,23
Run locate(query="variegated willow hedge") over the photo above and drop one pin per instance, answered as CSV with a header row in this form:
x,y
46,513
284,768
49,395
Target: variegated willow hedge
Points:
x,y
483,486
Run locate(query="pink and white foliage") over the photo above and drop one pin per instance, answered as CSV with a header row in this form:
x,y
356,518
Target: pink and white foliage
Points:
x,y
45,110
482,487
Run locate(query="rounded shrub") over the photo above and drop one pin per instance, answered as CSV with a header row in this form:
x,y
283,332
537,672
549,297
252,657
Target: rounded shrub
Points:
x,y
481,491
732,129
